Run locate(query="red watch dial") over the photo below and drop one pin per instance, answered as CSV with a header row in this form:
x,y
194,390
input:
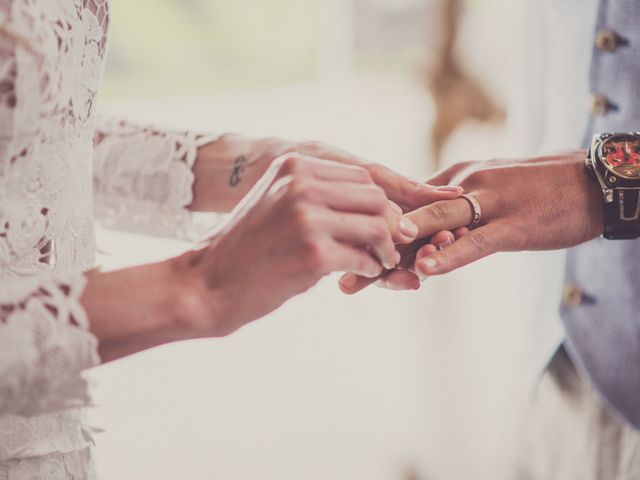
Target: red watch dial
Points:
x,y
622,156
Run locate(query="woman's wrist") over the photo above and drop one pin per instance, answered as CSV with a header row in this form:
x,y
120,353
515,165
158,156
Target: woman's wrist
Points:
x,y
197,307
138,308
225,170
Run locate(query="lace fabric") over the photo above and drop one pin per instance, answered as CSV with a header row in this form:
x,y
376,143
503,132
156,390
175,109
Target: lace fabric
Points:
x,y
51,61
151,197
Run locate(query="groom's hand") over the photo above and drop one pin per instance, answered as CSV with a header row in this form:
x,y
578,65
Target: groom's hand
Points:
x,y
539,204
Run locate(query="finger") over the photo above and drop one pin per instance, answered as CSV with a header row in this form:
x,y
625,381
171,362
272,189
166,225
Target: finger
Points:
x,y
349,258
351,283
440,216
426,251
295,163
426,194
369,199
407,193
403,230
444,177
470,248
364,230
443,239
460,232
395,207
349,197
400,280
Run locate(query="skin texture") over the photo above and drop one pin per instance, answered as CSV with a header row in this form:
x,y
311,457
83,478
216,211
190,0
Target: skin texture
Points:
x,y
227,169
544,203
303,219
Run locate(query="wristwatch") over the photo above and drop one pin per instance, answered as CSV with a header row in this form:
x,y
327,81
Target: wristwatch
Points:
x,y
614,163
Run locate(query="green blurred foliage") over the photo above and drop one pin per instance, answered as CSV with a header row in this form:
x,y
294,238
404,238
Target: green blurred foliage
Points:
x,y
169,46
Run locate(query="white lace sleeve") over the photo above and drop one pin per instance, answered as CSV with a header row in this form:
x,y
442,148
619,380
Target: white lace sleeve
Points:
x,y
143,177
45,346
45,227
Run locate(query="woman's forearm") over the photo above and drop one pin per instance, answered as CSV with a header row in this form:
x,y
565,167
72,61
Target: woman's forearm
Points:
x,y
227,169
305,220
138,308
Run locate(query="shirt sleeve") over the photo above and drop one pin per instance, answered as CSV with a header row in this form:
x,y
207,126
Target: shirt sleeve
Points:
x,y
143,177
45,346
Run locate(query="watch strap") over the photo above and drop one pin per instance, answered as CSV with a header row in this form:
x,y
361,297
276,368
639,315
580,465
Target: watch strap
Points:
x,y
622,215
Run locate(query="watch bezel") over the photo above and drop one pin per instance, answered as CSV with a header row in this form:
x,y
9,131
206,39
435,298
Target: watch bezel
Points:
x,y
611,177
614,187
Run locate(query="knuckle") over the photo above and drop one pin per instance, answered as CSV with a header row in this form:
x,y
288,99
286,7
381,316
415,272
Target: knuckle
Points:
x,y
316,257
480,242
365,172
312,146
361,173
459,168
477,177
491,201
290,164
439,211
379,200
519,236
298,188
379,230
466,164
366,265
302,216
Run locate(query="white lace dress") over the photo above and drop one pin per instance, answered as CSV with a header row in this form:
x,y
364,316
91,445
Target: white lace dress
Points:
x,y
56,159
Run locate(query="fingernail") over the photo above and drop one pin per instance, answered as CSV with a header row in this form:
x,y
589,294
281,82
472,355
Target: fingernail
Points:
x,y
348,281
449,188
443,245
430,263
408,228
397,259
395,288
424,266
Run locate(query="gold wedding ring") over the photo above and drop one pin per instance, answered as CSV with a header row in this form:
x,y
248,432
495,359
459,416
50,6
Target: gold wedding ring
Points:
x,y
477,210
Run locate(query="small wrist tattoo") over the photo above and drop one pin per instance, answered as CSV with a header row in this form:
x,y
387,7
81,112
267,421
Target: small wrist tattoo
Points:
x,y
238,169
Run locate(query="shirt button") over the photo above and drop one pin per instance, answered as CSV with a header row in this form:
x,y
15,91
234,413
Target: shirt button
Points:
x,y
572,295
600,105
607,41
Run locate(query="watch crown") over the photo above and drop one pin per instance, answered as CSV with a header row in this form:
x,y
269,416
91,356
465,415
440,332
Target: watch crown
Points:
x,y
608,195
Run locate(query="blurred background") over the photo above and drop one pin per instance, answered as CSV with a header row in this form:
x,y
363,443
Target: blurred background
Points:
x,y
382,386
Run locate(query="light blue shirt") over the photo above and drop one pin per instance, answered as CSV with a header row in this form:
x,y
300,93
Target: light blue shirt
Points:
x,y
563,68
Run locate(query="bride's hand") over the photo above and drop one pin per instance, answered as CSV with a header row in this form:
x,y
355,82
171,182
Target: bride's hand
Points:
x,y
405,276
305,219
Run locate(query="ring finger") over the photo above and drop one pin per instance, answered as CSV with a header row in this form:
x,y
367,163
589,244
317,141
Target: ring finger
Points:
x,y
446,215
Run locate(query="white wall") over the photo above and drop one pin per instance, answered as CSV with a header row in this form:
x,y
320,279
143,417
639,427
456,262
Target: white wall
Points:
x,y
332,387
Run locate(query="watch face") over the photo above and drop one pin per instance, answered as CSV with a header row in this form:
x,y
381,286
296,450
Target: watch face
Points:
x,y
621,155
